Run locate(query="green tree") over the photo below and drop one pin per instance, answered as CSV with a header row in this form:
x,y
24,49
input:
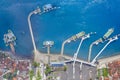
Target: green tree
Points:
x,y
105,72
38,76
35,64
48,69
31,74
65,68
98,75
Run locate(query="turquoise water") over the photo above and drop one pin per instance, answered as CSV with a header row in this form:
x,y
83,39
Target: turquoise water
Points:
x,y
73,16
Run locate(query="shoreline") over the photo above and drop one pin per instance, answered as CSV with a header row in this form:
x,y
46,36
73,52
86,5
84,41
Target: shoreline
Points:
x,y
56,56
110,58
104,61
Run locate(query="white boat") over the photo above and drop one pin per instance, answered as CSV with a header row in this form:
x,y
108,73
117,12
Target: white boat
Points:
x,y
47,7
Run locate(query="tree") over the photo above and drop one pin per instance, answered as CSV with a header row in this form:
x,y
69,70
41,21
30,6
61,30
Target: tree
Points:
x,y
98,75
65,68
35,64
38,76
31,74
48,69
105,72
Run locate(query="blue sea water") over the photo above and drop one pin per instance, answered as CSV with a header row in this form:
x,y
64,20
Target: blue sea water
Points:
x,y
73,16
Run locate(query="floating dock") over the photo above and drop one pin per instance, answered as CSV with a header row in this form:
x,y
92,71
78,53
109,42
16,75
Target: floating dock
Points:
x,y
9,40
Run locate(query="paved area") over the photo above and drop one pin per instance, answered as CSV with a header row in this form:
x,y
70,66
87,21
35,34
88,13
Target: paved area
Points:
x,y
85,73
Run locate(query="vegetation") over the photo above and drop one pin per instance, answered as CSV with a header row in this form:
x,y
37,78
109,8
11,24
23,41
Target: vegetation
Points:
x,y
50,77
48,70
98,73
8,76
35,64
3,55
38,76
105,72
90,78
31,74
65,68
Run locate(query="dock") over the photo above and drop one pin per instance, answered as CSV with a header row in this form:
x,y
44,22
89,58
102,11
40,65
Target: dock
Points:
x,y
9,40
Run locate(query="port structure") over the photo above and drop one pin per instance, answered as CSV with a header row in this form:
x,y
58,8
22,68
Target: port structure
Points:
x,y
46,8
73,38
78,49
30,27
9,40
48,44
100,40
109,41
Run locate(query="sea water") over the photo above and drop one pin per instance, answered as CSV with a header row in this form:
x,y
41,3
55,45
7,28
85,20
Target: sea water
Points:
x,y
58,25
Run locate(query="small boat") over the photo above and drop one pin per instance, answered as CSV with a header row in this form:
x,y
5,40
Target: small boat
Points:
x,y
81,34
47,7
98,41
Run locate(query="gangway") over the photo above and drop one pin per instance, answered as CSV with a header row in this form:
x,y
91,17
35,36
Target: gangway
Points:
x,y
100,40
76,53
73,38
109,41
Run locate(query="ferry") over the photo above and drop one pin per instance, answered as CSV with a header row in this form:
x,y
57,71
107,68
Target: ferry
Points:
x,y
80,34
108,33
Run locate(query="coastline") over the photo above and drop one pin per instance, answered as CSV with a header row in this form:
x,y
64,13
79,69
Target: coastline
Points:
x,y
104,61
56,57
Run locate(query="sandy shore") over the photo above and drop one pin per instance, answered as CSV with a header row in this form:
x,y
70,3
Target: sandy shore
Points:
x,y
104,61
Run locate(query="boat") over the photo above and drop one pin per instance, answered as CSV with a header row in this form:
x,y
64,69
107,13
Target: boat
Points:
x,y
47,7
98,41
108,33
80,34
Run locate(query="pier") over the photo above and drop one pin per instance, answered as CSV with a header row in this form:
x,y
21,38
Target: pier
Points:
x,y
46,8
73,38
100,40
